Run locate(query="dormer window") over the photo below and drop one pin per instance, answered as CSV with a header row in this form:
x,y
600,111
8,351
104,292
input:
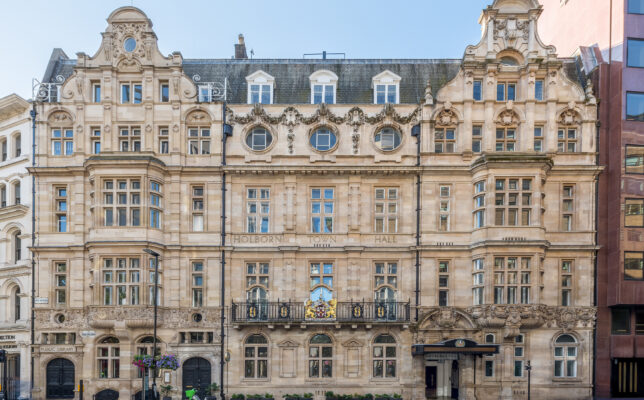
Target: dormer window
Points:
x,y
385,88
323,84
260,88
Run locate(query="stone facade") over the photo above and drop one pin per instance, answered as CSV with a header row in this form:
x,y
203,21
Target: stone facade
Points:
x,y
15,225
353,232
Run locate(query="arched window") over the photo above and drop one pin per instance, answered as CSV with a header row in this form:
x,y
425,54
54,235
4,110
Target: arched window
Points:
x,y
17,247
320,357
566,350
259,138
256,295
385,282
321,279
509,61
17,145
256,357
16,304
145,346
16,193
108,358
384,357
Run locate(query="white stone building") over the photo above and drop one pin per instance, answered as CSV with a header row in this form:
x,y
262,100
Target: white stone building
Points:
x,y
15,239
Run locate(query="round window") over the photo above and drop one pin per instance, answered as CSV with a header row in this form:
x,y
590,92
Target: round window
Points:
x,y
323,139
60,318
197,317
387,139
129,44
259,139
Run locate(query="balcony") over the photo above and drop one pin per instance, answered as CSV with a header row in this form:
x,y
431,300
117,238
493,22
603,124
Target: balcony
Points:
x,y
348,312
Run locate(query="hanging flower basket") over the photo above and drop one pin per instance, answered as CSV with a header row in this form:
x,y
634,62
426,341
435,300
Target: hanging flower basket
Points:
x,y
143,361
167,361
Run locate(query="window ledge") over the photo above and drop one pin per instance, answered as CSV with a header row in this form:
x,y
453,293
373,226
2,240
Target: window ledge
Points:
x,y
567,380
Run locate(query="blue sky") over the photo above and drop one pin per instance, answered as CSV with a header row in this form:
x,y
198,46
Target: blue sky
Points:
x,y
30,29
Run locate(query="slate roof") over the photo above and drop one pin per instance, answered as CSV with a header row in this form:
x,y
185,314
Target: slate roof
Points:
x,y
292,85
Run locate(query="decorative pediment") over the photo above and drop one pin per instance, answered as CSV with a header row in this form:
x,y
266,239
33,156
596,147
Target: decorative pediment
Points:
x,y
445,319
385,77
323,76
353,343
128,43
260,77
447,117
507,118
510,24
198,117
569,117
58,118
288,343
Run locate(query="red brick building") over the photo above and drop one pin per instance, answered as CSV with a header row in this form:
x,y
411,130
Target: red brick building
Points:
x,y
607,37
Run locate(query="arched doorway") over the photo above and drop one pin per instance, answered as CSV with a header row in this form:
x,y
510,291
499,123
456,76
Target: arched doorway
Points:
x,y
196,375
107,394
149,395
60,379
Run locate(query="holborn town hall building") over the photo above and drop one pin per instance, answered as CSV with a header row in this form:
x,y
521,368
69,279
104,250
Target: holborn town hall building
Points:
x,y
421,227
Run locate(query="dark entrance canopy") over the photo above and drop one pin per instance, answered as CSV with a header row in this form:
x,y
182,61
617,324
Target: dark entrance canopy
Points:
x,y
462,346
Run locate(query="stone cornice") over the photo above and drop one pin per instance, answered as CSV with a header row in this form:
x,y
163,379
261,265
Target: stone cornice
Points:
x,y
14,211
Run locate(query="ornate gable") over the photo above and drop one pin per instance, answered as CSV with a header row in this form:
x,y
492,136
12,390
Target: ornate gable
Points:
x,y
510,25
129,43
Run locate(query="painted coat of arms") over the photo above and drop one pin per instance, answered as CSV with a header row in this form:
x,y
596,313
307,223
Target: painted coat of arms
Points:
x,y
320,309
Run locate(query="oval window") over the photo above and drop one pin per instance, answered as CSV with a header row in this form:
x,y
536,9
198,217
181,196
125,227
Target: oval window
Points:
x,y
387,139
323,139
129,44
259,139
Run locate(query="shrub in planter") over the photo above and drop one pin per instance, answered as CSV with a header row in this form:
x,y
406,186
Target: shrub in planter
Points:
x,y
238,396
330,396
166,391
211,391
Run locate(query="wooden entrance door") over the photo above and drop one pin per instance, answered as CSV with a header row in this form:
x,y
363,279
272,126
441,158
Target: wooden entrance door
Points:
x,y
196,375
60,379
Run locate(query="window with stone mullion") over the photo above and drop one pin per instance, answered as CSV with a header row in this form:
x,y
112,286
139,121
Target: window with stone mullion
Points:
x,y
120,281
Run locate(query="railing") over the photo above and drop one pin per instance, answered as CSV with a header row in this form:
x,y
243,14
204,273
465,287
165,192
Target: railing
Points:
x,y
210,91
347,312
47,92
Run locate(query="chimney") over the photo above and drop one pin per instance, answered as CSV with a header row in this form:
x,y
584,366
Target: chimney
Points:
x,y
240,48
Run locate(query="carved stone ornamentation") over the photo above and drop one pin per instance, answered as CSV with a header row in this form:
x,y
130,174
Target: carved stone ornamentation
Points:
x,y
290,137
122,31
291,116
198,117
60,118
511,29
447,117
508,118
569,117
355,141
429,98
590,97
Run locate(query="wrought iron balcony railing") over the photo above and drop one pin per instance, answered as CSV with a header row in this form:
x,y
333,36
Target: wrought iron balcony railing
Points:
x,y
331,312
47,92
